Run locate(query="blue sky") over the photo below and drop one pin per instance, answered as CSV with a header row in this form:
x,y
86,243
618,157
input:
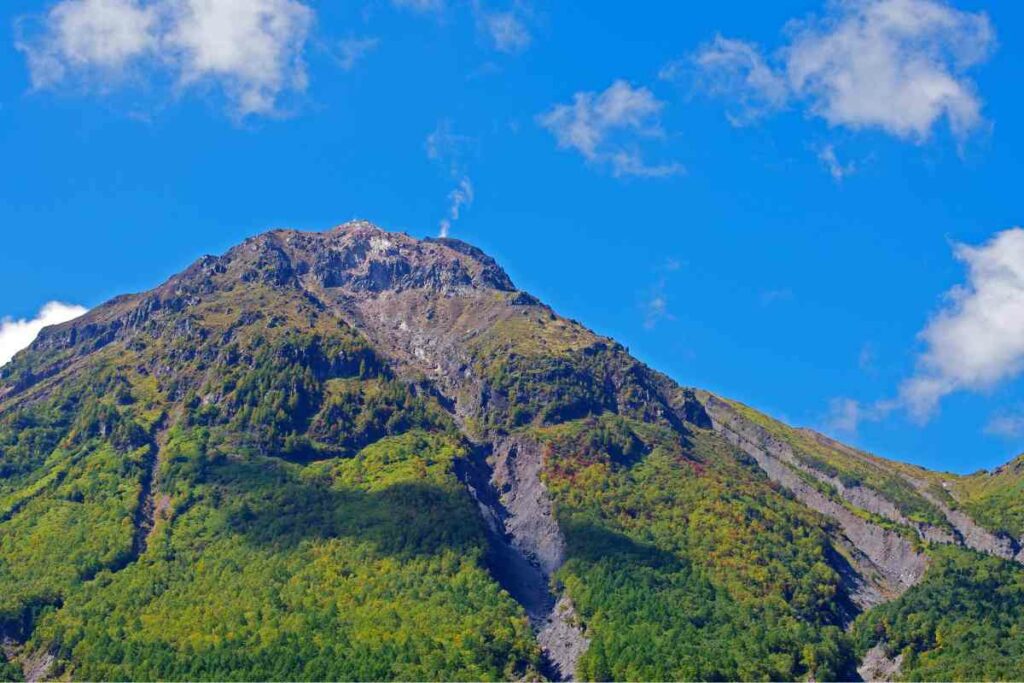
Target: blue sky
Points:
x,y
773,201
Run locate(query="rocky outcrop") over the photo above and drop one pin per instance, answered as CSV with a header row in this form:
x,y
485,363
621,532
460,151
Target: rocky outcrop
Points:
x,y
362,258
561,638
875,503
966,531
892,557
529,516
37,667
878,667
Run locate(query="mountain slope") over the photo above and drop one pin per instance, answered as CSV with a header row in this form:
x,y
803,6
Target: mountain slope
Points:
x,y
355,455
995,499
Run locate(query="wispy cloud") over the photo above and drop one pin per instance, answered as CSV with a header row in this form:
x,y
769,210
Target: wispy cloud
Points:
x,y
895,65
448,148
656,302
656,309
251,50
351,51
606,128
867,357
773,296
1006,424
845,415
837,169
422,6
736,70
507,30
16,335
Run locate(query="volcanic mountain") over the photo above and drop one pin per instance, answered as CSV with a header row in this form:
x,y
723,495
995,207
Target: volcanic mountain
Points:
x,y
354,455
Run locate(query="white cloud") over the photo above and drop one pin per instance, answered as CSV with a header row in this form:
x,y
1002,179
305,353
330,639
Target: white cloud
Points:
x,y
96,36
353,50
977,340
605,127
736,69
895,65
506,30
15,335
250,49
459,198
838,170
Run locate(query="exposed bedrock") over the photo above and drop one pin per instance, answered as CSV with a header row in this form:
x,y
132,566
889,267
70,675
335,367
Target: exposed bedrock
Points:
x,y
967,532
878,667
970,533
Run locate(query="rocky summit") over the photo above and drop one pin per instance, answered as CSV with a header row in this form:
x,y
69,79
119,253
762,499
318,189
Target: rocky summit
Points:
x,y
354,455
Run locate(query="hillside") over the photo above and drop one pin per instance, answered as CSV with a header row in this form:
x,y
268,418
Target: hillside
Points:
x,y
995,499
357,455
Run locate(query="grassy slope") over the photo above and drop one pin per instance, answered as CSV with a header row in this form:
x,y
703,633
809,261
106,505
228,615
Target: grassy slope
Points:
x,y
996,499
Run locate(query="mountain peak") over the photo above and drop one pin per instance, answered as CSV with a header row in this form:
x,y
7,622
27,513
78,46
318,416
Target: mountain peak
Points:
x,y
361,257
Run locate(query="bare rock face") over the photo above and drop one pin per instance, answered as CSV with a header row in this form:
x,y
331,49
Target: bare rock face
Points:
x,y
878,667
560,637
530,521
422,303
526,545
363,258
530,526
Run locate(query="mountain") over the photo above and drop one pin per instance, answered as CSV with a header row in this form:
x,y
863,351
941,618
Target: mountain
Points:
x,y
356,455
